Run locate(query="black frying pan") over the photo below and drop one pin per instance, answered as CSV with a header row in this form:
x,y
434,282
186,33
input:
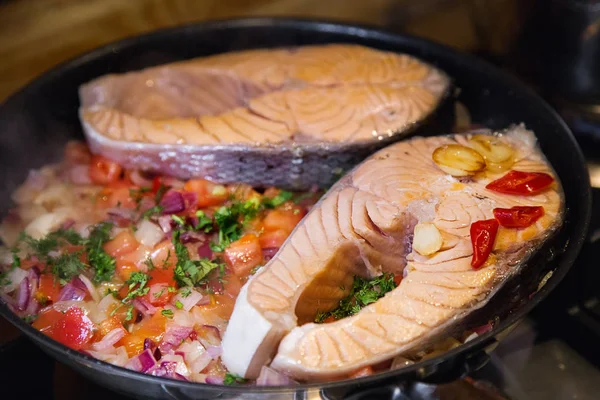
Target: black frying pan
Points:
x,y
37,121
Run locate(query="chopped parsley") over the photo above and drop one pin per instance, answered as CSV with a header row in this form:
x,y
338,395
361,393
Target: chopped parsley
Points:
x,y
149,263
190,272
67,266
363,292
41,247
158,294
29,318
179,304
278,200
99,260
156,210
185,292
15,257
231,220
167,313
233,379
204,222
171,289
137,286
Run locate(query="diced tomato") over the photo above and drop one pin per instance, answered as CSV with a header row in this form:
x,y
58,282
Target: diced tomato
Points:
x,y
273,239
209,193
156,184
483,235
28,263
232,286
153,327
49,288
159,295
397,279
125,268
519,216
164,254
77,153
244,254
285,218
521,183
104,171
329,319
46,319
74,329
137,256
162,275
365,371
107,325
134,344
124,242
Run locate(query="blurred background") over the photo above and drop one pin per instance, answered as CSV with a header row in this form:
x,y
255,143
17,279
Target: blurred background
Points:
x,y
552,45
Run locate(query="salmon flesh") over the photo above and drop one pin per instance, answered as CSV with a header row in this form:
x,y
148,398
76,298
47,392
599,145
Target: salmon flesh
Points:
x,y
363,226
290,117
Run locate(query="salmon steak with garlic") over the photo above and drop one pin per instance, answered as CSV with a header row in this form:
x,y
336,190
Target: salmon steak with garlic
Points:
x,y
449,218
307,113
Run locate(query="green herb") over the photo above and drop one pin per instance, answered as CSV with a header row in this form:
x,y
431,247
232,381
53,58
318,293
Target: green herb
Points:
x,y
160,193
179,304
30,318
363,292
278,200
136,287
171,289
129,314
16,259
302,197
186,292
137,194
255,269
158,294
156,210
111,291
233,379
149,263
204,222
67,266
167,313
41,247
102,263
190,272
178,220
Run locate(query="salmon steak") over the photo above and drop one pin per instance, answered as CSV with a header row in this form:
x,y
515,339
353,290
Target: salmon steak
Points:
x,y
451,218
307,113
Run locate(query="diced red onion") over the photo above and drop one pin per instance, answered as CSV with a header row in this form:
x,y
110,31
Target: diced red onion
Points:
x,y
212,336
74,290
190,199
172,202
90,287
144,306
149,344
172,367
214,351
122,217
188,301
139,178
146,203
143,362
201,362
204,251
195,355
166,223
269,377
214,380
15,277
24,294
205,300
192,237
68,223
174,335
109,339
80,175
148,233
269,252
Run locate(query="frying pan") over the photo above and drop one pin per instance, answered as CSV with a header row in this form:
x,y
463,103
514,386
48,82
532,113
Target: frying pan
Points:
x,y
37,121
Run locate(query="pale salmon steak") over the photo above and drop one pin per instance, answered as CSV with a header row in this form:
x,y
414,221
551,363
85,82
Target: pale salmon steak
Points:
x,y
306,112
364,226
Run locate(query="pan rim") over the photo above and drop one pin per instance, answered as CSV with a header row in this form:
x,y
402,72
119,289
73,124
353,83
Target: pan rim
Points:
x,y
321,25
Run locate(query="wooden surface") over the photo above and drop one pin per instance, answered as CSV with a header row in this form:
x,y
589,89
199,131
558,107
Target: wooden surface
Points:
x,y
38,34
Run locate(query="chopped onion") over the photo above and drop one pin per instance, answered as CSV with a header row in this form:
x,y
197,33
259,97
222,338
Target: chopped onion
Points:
x,y
24,294
172,202
63,306
172,182
120,216
145,204
211,337
15,277
144,306
105,304
74,290
139,178
188,301
116,356
149,344
269,377
190,199
180,368
109,339
214,351
169,369
269,252
90,287
214,380
204,251
148,233
195,355
166,223
174,335
143,362
183,318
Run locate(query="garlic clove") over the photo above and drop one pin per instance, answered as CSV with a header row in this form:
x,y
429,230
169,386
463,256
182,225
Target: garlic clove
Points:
x,y
458,160
427,239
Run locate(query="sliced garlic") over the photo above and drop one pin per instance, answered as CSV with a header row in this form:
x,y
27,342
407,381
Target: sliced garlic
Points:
x,y
492,149
458,160
427,239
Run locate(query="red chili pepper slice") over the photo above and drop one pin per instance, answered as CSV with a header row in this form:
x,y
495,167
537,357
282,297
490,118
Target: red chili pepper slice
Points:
x,y
521,183
483,235
519,216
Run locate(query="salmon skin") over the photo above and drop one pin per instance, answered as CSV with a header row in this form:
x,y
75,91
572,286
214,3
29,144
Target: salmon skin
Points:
x,y
291,118
364,226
